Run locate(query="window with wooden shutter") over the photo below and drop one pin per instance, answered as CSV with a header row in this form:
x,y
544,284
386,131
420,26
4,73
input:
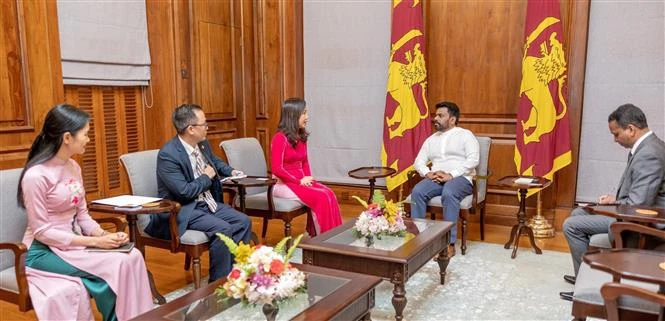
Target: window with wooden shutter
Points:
x,y
116,128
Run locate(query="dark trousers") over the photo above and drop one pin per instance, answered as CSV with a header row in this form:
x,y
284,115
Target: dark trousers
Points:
x,y
227,221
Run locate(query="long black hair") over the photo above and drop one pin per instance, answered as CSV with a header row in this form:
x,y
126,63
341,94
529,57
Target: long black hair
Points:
x,y
288,121
59,120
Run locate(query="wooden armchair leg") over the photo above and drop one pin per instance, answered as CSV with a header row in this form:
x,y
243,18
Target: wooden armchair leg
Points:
x,y
464,227
287,228
188,261
482,223
265,227
197,272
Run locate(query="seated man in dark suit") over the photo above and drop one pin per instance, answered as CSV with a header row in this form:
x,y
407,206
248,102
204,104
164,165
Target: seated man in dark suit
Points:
x,y
189,173
642,182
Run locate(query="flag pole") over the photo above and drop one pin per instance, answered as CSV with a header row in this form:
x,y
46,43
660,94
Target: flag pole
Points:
x,y
539,224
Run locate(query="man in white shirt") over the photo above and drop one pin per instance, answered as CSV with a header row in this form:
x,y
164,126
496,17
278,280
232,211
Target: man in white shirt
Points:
x,y
642,182
454,153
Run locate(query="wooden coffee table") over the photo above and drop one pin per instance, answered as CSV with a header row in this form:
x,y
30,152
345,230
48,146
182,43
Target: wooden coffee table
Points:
x,y
331,295
391,258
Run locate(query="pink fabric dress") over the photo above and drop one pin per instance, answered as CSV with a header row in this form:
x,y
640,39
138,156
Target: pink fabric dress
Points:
x,y
53,193
290,165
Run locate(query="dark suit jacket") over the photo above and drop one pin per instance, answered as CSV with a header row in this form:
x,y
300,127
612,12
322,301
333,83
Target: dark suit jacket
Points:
x,y
175,181
643,181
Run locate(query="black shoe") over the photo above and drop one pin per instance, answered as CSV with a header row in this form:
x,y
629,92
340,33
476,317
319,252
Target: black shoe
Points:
x,y
569,278
568,296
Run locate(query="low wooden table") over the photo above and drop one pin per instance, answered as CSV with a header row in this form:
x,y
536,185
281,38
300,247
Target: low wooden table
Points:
x,y
393,258
521,227
371,174
131,214
629,213
331,295
249,181
633,264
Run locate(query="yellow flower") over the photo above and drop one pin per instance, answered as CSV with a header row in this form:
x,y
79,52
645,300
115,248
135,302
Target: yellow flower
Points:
x,y
390,211
243,252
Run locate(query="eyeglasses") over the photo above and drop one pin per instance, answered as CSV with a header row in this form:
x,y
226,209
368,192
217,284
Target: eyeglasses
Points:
x,y
204,125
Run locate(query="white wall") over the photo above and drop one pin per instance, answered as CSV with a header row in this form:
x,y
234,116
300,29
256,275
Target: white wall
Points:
x,y
624,65
346,45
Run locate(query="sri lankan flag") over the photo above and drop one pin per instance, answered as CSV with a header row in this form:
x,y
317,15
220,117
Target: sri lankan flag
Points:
x,y
542,144
406,121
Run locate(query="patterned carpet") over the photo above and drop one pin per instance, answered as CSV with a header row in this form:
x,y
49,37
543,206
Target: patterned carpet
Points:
x,y
484,284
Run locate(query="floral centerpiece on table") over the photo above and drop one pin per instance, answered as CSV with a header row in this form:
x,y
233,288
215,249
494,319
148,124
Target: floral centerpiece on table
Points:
x,y
262,274
381,217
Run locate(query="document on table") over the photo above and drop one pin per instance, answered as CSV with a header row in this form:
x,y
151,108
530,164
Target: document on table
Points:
x,y
126,200
524,181
232,178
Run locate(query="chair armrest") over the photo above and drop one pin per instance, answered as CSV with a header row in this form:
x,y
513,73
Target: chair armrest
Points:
x,y
173,226
119,223
618,227
20,251
612,291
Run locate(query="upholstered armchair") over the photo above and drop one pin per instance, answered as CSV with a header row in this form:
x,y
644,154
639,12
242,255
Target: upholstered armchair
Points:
x,y
247,155
472,204
588,298
141,170
13,281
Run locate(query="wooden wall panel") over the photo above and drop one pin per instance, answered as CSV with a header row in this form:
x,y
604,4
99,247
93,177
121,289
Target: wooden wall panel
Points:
x,y
12,70
30,74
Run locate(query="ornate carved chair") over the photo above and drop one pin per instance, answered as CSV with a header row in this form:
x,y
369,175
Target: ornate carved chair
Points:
x,y
246,154
472,204
141,169
588,300
13,281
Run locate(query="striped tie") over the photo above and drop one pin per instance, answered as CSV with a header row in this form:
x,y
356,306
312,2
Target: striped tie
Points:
x,y
207,196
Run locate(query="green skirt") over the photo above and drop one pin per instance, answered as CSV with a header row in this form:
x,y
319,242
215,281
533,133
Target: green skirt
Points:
x,y
40,257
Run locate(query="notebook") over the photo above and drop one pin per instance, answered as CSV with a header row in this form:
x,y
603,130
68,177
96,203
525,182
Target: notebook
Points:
x,y
124,249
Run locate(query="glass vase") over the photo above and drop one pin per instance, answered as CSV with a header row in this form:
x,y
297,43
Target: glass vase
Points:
x,y
369,240
270,311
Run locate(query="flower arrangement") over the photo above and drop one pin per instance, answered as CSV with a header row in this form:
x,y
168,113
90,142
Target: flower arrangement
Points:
x,y
262,274
381,217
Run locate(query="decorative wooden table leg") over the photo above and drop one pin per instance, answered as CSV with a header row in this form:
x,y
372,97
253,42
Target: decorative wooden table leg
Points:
x,y
521,228
155,294
529,231
443,261
131,222
399,296
371,190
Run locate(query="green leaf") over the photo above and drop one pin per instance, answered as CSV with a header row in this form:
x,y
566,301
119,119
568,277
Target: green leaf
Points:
x,y
293,248
363,203
378,198
233,247
279,248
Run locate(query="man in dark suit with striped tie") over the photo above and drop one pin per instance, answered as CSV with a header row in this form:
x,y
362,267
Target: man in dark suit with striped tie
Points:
x,y
642,182
189,173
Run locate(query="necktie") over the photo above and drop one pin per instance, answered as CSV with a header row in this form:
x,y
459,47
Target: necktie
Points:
x,y
630,155
207,196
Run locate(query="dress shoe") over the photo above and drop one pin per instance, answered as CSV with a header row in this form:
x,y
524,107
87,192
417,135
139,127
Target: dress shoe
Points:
x,y
569,278
568,296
